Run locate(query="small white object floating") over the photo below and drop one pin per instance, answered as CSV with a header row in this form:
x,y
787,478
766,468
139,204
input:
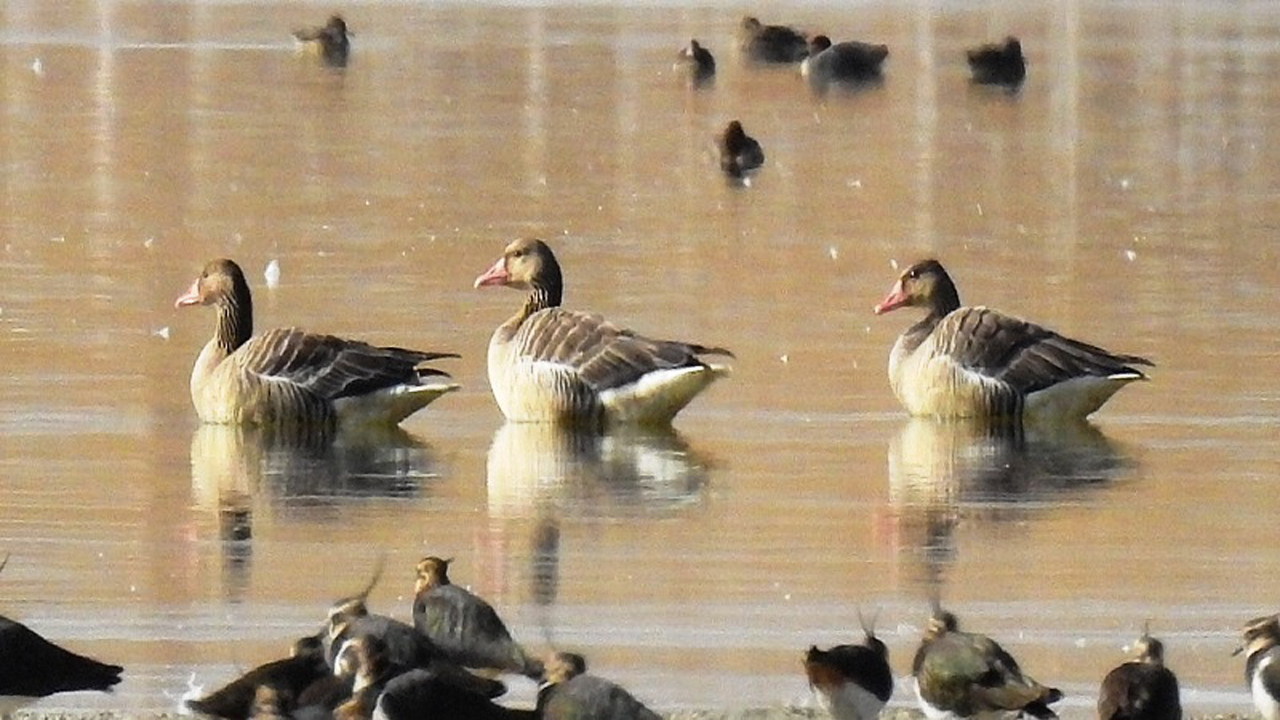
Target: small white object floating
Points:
x,y
37,68
272,273
162,333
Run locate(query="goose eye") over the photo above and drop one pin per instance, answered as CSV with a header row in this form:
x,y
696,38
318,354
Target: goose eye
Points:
x,y
913,274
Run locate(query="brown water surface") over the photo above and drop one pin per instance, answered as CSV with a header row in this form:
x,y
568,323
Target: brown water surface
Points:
x,y
1129,195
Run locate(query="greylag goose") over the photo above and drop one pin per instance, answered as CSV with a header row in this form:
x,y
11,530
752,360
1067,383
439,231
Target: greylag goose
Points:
x,y
998,64
551,364
1141,688
463,626
959,674
770,43
850,61
570,694
330,42
288,377
698,62
854,681
740,154
980,363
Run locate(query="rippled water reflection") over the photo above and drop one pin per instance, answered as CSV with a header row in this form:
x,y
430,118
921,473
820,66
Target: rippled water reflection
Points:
x,y
1125,195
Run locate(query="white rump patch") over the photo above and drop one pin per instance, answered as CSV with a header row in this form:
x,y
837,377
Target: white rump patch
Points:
x,y
389,405
657,396
1076,398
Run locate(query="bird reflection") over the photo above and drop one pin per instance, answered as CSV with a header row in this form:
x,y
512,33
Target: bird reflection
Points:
x,y
240,472
943,473
536,469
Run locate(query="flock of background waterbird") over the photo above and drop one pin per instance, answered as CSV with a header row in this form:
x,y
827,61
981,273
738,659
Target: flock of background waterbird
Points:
x,y
549,364
822,62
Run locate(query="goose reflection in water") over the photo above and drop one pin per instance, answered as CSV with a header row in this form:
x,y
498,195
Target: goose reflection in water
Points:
x,y
242,472
536,468
943,472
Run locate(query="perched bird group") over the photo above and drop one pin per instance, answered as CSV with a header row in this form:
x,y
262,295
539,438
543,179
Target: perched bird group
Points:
x,y
549,364
545,363
362,665
958,674
823,63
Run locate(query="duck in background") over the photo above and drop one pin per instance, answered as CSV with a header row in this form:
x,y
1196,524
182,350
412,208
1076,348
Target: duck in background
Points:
x,y
330,41
698,62
850,61
770,43
740,154
998,63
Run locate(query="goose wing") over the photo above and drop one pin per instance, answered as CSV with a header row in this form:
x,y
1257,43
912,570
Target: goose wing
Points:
x,y
1021,354
332,367
601,354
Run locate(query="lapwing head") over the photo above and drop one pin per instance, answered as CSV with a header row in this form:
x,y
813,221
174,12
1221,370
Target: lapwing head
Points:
x,y
363,658
1148,649
1259,634
432,572
941,623
308,646
562,666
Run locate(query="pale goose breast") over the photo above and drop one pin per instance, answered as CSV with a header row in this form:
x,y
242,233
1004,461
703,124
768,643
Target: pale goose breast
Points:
x,y
550,364
978,362
288,376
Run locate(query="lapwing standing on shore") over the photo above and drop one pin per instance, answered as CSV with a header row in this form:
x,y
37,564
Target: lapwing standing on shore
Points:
x,y
286,678
1141,688
854,681
462,626
960,674
424,693
1262,663
570,694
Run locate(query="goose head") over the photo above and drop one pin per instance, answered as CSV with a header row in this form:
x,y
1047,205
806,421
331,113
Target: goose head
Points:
x,y
220,282
525,264
925,284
